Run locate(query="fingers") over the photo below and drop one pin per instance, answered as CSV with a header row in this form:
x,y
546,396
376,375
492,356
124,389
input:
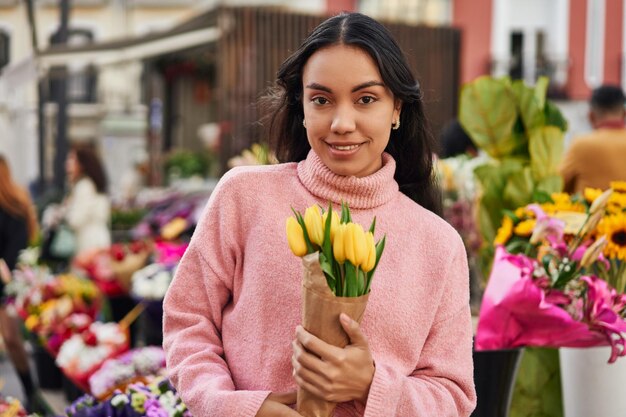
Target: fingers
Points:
x,y
301,359
315,345
353,330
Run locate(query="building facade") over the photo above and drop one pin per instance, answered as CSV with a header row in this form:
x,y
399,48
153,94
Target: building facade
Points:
x,y
580,44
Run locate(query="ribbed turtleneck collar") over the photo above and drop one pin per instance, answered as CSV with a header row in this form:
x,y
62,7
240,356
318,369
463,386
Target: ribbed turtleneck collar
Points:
x,y
360,193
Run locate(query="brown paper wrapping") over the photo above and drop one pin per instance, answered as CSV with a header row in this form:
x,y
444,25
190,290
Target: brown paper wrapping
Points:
x,y
320,317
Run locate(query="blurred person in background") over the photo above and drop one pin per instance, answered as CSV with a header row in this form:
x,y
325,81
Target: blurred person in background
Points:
x,y
18,227
87,208
596,159
455,141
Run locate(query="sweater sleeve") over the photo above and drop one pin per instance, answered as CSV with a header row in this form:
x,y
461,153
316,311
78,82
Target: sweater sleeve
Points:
x,y
442,381
192,320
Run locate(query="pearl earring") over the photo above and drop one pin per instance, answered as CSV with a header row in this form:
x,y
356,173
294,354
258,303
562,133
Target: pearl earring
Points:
x,y
396,125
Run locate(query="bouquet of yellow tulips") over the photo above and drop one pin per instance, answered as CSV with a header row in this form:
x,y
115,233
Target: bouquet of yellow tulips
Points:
x,y
348,255
339,259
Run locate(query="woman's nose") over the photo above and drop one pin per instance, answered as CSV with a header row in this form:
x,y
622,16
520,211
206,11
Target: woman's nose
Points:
x,y
344,121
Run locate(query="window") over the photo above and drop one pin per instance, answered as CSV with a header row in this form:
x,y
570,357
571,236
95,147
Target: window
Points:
x,y
5,49
516,70
82,80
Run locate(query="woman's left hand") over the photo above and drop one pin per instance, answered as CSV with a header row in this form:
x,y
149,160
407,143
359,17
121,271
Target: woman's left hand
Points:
x,y
332,373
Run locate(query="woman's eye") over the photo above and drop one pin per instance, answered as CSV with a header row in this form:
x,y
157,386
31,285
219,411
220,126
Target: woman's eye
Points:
x,y
366,100
319,100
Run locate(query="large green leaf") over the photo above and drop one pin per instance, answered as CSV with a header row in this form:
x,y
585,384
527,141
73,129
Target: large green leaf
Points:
x,y
546,151
550,184
537,390
487,113
519,188
554,116
531,102
493,179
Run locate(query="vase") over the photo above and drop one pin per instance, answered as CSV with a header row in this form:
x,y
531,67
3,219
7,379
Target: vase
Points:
x,y
494,378
591,386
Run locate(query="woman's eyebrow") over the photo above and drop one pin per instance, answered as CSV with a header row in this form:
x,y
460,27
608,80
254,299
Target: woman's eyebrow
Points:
x,y
316,86
367,84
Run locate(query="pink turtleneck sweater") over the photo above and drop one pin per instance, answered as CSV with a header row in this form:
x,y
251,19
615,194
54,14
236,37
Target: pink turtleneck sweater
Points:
x,y
231,312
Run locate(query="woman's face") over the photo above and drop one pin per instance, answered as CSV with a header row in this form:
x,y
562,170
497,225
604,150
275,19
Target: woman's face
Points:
x,y
348,110
72,167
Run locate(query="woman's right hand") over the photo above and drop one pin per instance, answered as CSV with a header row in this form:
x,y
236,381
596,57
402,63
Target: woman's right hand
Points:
x,y
277,405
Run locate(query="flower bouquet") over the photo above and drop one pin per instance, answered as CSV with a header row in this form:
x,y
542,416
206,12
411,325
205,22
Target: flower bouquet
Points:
x,y
155,399
112,268
339,259
47,303
84,353
11,407
559,277
137,365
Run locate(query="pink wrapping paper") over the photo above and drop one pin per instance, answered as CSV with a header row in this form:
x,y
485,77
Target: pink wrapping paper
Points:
x,y
515,312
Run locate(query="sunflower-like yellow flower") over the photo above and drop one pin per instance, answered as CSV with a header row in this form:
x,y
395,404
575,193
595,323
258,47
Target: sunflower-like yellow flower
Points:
x,y
618,186
613,227
617,202
525,227
591,194
523,212
504,232
560,198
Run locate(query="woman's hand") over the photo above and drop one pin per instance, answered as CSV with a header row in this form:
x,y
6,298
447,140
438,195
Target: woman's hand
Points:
x,y
333,373
276,405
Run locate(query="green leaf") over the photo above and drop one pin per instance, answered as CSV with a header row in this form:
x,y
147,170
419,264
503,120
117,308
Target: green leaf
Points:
x,y
327,248
345,213
519,188
554,117
380,247
540,196
307,240
350,284
487,113
549,185
530,102
373,225
537,390
327,267
546,151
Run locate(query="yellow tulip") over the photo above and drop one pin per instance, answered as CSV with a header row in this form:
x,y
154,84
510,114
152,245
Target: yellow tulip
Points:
x,y
295,237
371,253
348,244
361,248
314,225
356,250
338,244
334,223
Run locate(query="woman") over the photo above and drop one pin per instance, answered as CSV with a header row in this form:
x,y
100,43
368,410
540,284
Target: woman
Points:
x,y
87,208
18,226
350,120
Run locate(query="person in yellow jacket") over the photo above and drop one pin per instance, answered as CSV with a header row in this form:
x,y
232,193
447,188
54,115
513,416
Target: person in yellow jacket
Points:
x,y
596,159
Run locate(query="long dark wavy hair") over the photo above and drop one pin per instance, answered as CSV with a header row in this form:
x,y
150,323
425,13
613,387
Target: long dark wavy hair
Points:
x,y
91,166
412,145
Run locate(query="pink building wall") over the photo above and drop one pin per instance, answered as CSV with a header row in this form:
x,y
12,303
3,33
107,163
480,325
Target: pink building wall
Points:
x,y
613,41
473,18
